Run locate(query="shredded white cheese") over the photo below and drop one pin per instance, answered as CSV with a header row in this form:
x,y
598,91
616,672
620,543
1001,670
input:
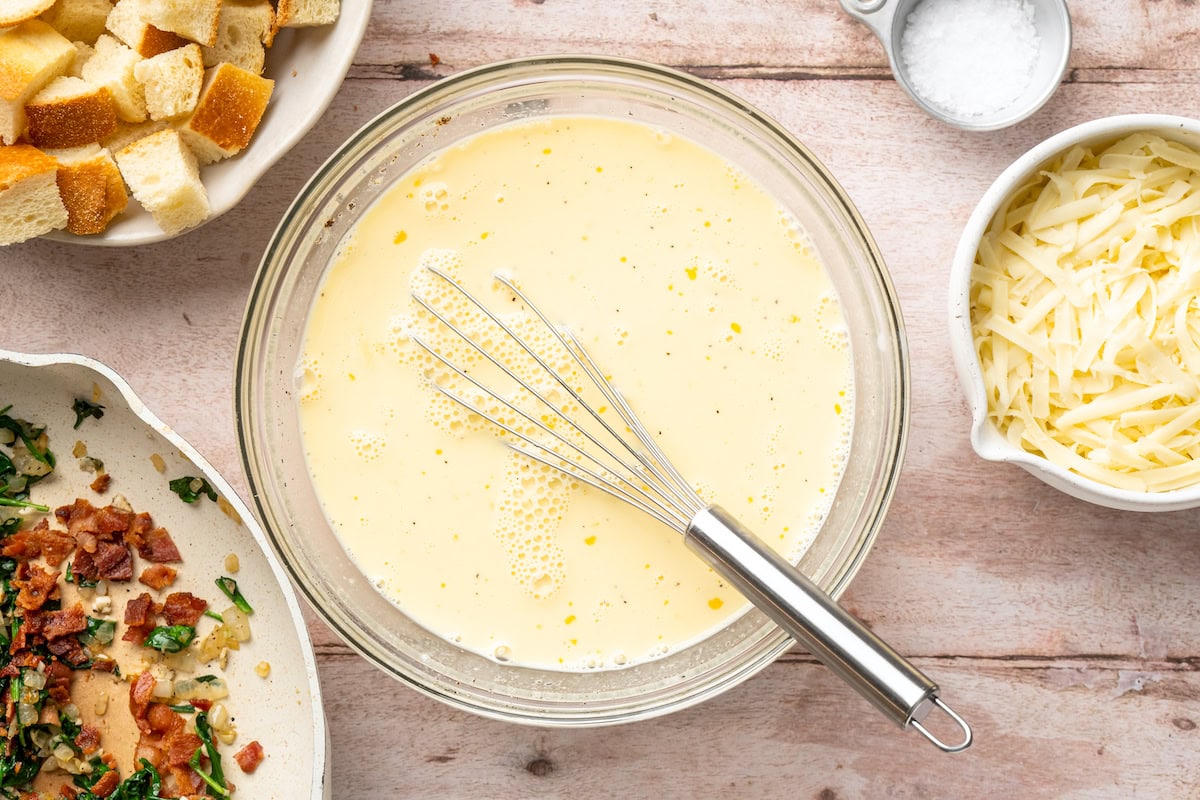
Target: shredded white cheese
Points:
x,y
1085,305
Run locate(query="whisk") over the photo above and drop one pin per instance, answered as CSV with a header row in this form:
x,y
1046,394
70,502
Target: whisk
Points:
x,y
625,462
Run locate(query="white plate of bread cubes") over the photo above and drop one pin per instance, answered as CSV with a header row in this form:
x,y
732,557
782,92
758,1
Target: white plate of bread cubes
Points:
x,y
126,122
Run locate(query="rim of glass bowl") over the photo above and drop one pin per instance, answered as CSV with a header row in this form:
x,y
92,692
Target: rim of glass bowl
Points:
x,y
324,212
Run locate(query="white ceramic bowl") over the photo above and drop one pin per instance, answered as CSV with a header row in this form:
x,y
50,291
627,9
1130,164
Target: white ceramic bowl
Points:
x,y
308,66
283,711
987,440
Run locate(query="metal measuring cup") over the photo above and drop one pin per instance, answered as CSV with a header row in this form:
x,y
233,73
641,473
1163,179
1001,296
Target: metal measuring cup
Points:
x,y
887,20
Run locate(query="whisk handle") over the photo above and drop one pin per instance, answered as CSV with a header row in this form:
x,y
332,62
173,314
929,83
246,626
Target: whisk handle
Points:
x,y
838,640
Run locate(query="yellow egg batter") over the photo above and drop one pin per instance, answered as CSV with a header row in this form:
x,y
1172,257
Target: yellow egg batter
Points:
x,y
696,292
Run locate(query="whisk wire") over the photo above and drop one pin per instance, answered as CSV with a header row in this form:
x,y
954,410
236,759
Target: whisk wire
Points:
x,y
653,465
662,501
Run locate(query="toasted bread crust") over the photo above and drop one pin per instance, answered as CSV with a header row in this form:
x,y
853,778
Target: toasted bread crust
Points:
x,y
230,107
20,162
30,59
93,192
155,42
72,122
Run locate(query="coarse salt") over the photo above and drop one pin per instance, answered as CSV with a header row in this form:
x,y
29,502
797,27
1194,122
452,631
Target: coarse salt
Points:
x,y
970,58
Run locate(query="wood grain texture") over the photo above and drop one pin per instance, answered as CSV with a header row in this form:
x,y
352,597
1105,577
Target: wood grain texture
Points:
x,y
1066,633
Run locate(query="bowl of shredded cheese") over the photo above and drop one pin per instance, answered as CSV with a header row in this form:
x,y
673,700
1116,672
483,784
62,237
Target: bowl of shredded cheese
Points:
x,y
1075,313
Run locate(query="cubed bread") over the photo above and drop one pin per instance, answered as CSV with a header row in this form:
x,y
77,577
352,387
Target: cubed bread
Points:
x,y
304,13
128,22
165,179
70,112
227,114
112,67
79,20
29,201
197,20
172,81
245,31
129,132
14,12
83,51
31,55
91,188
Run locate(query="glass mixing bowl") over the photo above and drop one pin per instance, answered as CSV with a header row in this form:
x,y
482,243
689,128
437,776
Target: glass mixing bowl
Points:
x,y
308,240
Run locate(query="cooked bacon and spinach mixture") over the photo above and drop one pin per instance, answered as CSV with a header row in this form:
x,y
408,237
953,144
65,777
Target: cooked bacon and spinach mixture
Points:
x,y
59,576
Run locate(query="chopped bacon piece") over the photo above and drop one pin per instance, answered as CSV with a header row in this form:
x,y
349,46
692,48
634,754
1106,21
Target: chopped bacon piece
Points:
x,y
55,545
66,792
35,586
140,693
188,783
40,540
69,650
101,484
82,516
113,561
83,566
62,623
23,545
58,682
183,608
139,617
88,740
158,576
140,610
107,784
154,545
29,629
163,720
180,747
104,665
249,757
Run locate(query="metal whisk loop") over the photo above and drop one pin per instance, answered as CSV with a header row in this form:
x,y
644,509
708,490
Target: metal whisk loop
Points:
x,y
634,477
536,450
679,488
634,468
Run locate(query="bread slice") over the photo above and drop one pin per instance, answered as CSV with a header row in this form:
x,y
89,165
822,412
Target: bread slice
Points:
x,y
79,20
128,22
14,12
172,81
112,67
197,20
31,55
70,112
91,188
246,29
305,13
230,108
165,179
29,201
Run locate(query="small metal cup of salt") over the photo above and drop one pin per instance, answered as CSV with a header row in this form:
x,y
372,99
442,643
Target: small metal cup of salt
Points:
x,y
976,64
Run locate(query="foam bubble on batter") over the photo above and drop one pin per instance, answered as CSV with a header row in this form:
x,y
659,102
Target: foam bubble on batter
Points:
x,y
531,507
796,234
308,379
830,323
369,446
434,197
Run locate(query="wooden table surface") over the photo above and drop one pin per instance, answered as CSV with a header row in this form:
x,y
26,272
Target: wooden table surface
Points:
x,y
1069,635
